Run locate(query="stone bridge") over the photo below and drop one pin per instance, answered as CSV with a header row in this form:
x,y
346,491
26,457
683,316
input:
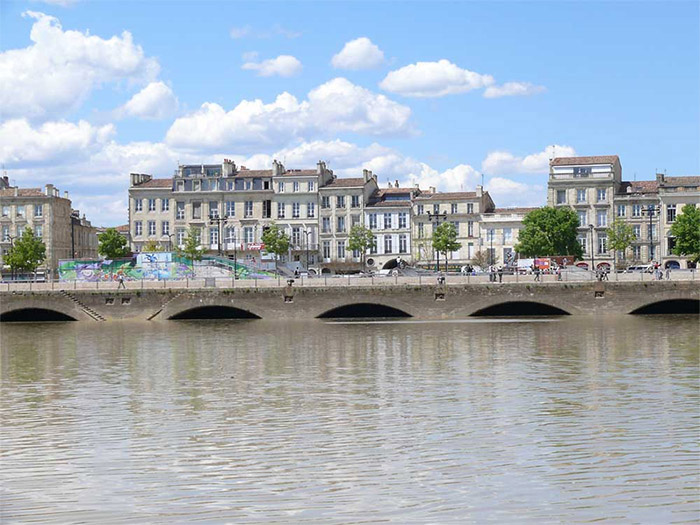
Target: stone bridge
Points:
x,y
421,302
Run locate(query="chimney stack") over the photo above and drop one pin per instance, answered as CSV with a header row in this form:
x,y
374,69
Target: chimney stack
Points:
x,y
65,195
48,190
396,184
320,167
479,191
431,189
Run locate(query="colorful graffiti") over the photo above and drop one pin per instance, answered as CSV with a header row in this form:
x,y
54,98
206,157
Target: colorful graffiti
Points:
x,y
145,266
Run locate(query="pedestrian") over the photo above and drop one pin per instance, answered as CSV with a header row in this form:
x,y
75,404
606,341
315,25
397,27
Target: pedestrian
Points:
x,y
668,273
558,273
605,274
121,282
500,273
537,273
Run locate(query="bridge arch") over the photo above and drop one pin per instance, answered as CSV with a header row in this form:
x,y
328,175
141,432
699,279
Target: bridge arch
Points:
x,y
519,309
34,315
669,306
363,310
213,311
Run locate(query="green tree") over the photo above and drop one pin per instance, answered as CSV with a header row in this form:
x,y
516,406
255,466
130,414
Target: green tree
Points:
x,y
482,259
27,252
686,230
620,237
276,241
191,248
549,231
112,244
361,239
152,246
445,239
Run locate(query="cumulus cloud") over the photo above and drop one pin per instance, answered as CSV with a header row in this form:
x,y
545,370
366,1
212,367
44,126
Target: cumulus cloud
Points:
x,y
154,102
360,53
433,79
501,162
508,192
283,66
248,32
510,89
334,107
61,68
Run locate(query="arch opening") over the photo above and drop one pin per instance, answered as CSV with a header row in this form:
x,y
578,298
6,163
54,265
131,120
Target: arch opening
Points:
x,y
670,306
519,309
363,311
34,315
214,312
390,264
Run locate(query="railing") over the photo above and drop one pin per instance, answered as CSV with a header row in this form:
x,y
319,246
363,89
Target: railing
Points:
x,y
342,281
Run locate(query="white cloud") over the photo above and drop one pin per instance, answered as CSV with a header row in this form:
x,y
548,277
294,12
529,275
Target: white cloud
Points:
x,y
334,107
510,89
507,192
154,102
500,162
20,143
240,32
433,79
360,53
283,65
61,68
61,3
276,30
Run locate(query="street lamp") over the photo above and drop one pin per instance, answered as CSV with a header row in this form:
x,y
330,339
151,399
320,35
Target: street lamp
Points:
x,y
590,227
218,220
437,217
307,233
491,254
651,210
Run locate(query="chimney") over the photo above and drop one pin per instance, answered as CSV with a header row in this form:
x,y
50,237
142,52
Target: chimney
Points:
x,y
48,190
65,195
417,186
4,182
396,184
16,191
431,189
139,178
366,175
320,167
277,168
479,191
660,178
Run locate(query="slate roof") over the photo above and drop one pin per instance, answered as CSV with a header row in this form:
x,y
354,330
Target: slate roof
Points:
x,y
157,183
639,186
350,182
463,195
574,161
22,192
296,173
682,181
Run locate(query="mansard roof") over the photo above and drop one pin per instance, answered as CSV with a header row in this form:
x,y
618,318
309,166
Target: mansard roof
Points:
x,y
576,161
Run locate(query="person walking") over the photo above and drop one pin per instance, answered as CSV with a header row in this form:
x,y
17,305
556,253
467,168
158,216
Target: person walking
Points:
x,y
558,273
668,273
500,273
537,273
121,282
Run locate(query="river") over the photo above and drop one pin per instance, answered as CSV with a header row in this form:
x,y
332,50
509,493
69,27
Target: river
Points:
x,y
528,421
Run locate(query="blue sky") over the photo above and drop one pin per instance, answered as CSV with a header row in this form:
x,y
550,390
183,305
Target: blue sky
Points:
x,y
434,93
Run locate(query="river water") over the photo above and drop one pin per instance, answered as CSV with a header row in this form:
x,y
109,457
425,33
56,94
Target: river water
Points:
x,y
528,421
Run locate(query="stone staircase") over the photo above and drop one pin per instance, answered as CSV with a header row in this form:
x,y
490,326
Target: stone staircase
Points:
x,y
166,303
89,311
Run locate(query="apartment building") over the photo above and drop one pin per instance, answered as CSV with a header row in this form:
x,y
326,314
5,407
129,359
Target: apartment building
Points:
x,y
65,233
674,193
500,228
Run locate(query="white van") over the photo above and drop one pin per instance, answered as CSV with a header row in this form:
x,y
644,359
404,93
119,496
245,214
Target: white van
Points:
x,y
644,268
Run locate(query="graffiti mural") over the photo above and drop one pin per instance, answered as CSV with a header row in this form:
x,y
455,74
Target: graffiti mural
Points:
x,y
146,266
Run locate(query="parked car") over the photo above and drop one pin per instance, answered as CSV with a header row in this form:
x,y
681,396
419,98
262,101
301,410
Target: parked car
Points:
x,y
645,268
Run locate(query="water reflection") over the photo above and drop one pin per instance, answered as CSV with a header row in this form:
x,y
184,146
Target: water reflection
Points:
x,y
549,420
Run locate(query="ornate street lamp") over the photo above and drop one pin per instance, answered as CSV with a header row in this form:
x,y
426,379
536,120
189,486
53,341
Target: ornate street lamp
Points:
x,y
590,227
437,217
651,211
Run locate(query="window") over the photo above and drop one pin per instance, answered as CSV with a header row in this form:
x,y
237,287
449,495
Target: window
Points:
x,y
403,246
456,226
470,208
582,172
196,210
602,194
583,241
636,210
602,243
636,253
621,210
213,209
670,212
420,210
637,231
311,186
388,248
295,210
354,201
311,210
403,219
20,231
580,195
372,221
196,185
295,186
230,234
651,231
561,196
230,209
470,229
5,211
138,228
20,211
248,211
214,236
248,234
373,248
327,250
138,205
507,235
248,184
296,236
280,210
180,210
421,230
39,230
165,228
280,187
151,227
5,234
151,205
39,210
354,220
601,218
436,208
582,218
180,236
340,201
325,202
164,204
340,224
387,221
326,225
180,185
341,249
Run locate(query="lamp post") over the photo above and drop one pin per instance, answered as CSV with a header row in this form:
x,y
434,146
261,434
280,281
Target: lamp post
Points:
x,y
651,210
218,220
590,227
306,234
437,217
12,244
491,254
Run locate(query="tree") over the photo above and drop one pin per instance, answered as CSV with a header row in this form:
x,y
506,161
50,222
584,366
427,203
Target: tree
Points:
x,y
482,259
445,239
361,239
152,246
620,237
27,253
686,230
191,248
112,244
549,231
276,241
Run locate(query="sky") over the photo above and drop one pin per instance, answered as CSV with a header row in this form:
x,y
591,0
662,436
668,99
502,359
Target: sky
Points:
x,y
443,94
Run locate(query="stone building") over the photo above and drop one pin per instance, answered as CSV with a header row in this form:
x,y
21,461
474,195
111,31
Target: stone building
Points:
x,y
65,233
499,233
